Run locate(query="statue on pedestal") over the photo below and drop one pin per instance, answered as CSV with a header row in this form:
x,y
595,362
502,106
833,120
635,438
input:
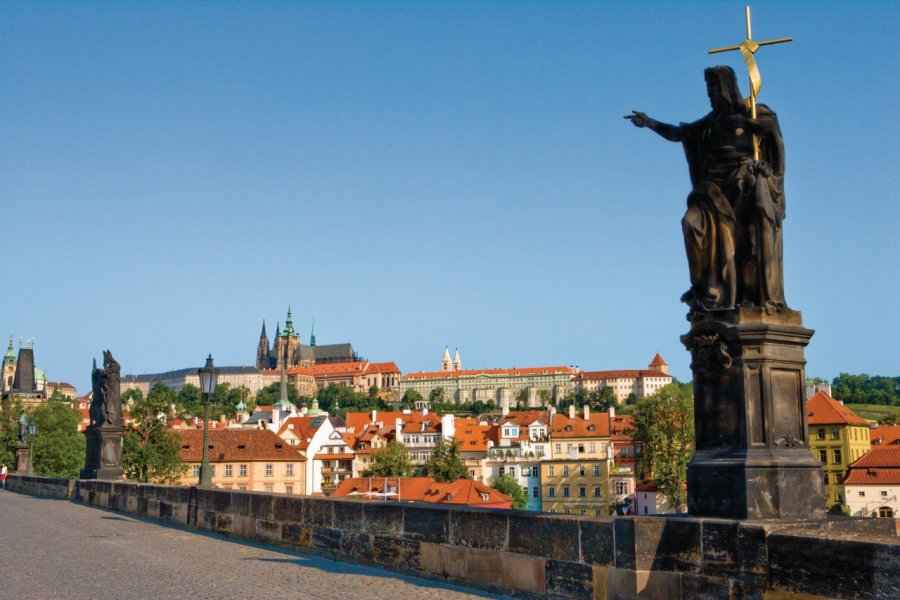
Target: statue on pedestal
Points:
x,y
105,434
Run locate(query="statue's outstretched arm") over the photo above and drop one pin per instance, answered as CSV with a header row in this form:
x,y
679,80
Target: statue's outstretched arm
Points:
x,y
670,132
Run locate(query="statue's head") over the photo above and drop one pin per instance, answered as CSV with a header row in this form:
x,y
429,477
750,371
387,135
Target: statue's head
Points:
x,y
722,87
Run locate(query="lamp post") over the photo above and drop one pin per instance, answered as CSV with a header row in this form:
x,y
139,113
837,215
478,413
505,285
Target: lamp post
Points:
x,y
208,375
27,428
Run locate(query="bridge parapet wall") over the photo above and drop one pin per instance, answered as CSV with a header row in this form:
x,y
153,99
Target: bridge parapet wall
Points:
x,y
532,554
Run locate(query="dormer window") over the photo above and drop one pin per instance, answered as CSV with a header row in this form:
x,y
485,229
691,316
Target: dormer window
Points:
x,y
569,428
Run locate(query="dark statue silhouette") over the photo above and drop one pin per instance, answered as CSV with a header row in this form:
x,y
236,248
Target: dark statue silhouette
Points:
x,y
732,227
106,405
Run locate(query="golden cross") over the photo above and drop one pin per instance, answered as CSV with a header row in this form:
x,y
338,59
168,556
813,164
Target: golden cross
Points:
x,y
748,48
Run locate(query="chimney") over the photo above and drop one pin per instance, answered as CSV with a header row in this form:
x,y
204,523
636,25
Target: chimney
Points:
x,y
505,410
587,412
374,416
612,412
222,419
398,428
572,411
448,427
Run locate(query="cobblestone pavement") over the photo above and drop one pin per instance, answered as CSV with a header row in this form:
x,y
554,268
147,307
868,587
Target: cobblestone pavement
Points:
x,y
56,549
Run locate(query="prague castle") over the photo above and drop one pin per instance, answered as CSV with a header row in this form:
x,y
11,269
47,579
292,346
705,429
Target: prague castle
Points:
x,y
287,343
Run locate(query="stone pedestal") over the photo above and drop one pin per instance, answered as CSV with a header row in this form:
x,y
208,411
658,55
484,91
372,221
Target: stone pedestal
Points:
x,y
103,452
752,458
23,459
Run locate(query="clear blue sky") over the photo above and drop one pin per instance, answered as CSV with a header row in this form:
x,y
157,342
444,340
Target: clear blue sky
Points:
x,y
415,175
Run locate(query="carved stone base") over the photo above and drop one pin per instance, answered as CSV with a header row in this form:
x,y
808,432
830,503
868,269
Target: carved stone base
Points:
x,y
103,458
23,459
753,459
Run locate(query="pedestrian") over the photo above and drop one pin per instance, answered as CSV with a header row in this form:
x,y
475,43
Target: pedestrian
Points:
x,y
3,472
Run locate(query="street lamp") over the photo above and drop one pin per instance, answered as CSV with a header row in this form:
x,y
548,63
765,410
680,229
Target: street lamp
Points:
x,y
27,427
208,375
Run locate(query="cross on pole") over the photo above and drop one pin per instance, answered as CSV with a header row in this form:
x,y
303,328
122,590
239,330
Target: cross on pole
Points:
x,y
748,48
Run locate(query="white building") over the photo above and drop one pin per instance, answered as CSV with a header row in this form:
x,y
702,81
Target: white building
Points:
x,y
872,484
640,382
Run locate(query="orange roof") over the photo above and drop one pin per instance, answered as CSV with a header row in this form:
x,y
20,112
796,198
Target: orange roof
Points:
x,y
474,438
877,466
621,374
658,361
476,372
343,368
326,456
385,367
822,409
302,427
622,426
236,445
564,427
525,418
422,489
289,371
884,435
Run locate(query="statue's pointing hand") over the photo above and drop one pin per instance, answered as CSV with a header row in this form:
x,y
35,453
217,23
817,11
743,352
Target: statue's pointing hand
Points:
x,y
638,118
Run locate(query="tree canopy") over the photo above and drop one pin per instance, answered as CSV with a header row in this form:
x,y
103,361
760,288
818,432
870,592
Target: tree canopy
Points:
x,y
390,461
57,448
866,389
151,452
664,425
507,484
9,431
446,463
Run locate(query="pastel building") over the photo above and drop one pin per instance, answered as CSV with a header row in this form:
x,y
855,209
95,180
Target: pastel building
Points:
x,y
637,382
872,484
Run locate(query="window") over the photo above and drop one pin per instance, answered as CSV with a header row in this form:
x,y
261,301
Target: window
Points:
x,y
512,471
242,472
288,489
598,512
592,447
567,511
837,457
823,456
583,511
820,433
565,491
229,470
551,491
550,470
502,470
883,493
535,492
581,470
289,469
582,491
565,470
835,433
535,471
525,489
242,487
862,494
269,488
269,470
195,470
596,470
558,448
212,470
621,487
597,492
826,478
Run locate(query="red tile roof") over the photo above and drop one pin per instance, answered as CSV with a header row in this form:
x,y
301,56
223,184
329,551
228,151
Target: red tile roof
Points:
x,y
422,489
564,427
878,466
473,437
236,445
658,361
302,427
885,435
621,374
822,409
385,367
524,418
476,372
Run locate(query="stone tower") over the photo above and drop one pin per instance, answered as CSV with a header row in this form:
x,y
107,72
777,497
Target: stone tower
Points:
x,y
457,364
9,368
446,363
262,351
287,341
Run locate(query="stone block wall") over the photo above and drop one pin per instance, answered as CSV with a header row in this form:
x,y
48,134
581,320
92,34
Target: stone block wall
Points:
x,y
532,554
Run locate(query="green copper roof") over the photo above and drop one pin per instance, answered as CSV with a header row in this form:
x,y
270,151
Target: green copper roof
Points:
x,y
314,410
10,355
289,325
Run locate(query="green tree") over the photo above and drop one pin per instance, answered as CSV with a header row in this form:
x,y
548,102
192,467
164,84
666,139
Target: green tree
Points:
x,y
522,399
603,398
664,426
507,484
9,431
409,399
446,463
889,419
390,461
58,447
151,452
270,394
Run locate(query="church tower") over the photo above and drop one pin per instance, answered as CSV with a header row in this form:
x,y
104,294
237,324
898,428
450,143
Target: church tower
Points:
x,y
457,364
9,368
446,364
287,344
262,351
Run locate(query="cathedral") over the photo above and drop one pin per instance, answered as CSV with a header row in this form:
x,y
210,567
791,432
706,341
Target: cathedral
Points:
x,y
287,344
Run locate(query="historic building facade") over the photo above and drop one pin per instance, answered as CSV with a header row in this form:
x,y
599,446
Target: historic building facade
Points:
x,y
287,344
639,382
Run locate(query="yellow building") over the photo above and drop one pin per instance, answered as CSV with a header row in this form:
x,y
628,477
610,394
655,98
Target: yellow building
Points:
x,y
244,459
576,478
837,437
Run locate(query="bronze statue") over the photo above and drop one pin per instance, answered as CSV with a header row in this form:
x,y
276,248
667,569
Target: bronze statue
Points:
x,y
106,405
732,227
